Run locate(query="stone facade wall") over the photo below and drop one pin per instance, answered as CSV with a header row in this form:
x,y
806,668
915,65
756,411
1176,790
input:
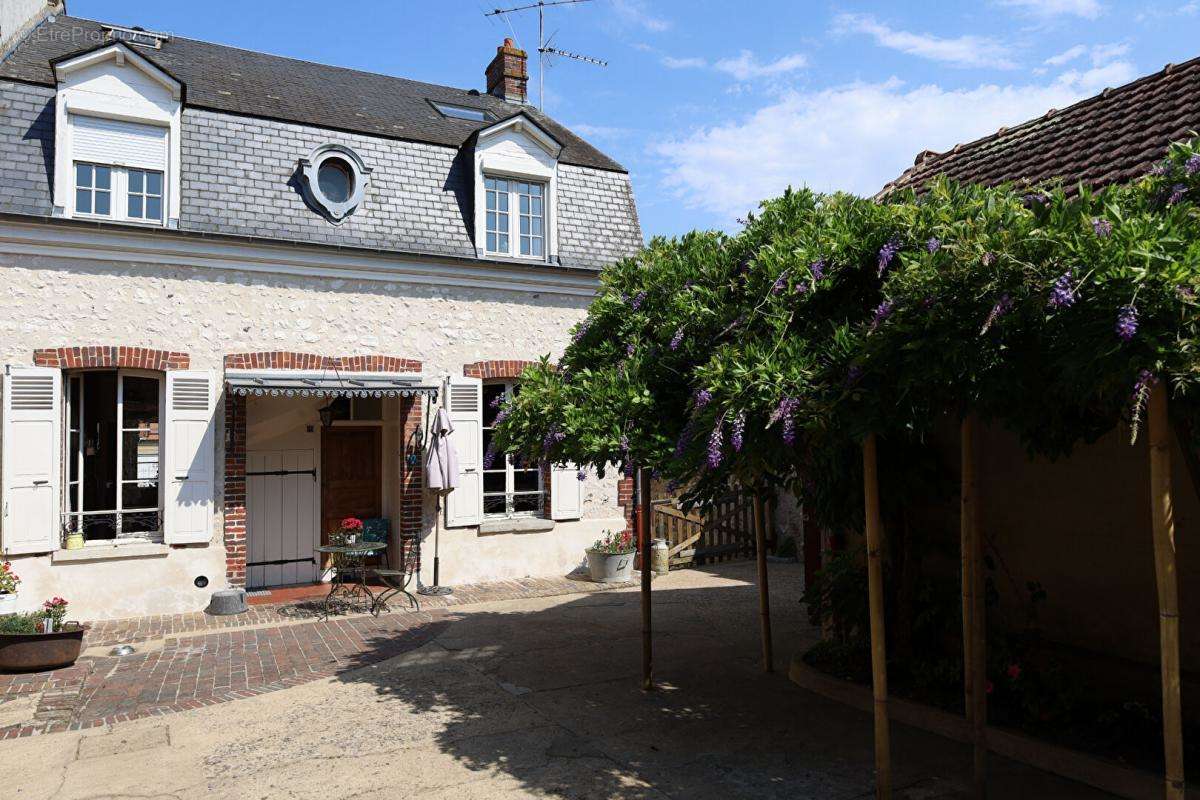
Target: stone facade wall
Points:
x,y
48,302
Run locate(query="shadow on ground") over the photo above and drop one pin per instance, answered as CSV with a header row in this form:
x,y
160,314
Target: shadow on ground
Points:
x,y
543,698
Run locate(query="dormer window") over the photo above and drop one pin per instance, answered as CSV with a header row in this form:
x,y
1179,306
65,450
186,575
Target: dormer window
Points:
x,y
516,177
117,138
335,180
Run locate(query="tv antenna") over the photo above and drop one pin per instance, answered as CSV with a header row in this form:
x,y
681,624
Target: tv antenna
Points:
x,y
545,50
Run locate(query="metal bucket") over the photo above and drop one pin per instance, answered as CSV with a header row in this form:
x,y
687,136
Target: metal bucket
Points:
x,y
610,567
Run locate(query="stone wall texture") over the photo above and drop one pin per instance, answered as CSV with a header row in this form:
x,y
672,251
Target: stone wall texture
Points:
x,y
26,148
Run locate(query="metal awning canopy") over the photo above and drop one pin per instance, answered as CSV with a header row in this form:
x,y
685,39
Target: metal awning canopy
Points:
x,y
327,383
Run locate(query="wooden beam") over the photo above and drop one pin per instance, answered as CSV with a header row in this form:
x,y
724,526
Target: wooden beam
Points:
x,y
764,592
645,511
974,616
1168,587
883,757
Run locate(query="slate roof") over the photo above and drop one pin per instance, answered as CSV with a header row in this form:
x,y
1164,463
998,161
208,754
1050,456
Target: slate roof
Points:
x,y
1113,137
239,81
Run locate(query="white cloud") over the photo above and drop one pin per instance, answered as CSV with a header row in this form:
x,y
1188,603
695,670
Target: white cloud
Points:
x,y
1100,54
634,12
961,51
1070,54
747,67
855,137
670,62
1087,9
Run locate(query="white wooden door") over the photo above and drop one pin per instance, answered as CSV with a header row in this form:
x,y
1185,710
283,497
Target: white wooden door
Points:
x,y
282,497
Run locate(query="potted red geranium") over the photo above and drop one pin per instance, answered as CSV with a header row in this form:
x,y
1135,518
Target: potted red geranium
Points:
x,y
8,588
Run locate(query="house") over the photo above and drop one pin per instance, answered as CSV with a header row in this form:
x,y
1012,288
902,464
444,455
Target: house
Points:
x,y
236,285
1081,526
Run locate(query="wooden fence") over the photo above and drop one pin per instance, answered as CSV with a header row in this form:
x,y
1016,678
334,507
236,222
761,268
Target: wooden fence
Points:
x,y
723,531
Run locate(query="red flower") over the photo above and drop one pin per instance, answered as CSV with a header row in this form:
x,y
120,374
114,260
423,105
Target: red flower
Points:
x,y
352,524
1014,671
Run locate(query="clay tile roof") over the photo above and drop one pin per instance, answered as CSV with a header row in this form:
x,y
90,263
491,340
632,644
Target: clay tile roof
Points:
x,y
1113,137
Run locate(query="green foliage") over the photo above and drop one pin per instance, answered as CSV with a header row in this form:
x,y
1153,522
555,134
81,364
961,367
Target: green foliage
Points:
x,y
830,316
20,623
837,597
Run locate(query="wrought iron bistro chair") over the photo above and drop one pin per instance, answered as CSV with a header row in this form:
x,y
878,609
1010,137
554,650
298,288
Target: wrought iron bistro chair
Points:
x,y
396,580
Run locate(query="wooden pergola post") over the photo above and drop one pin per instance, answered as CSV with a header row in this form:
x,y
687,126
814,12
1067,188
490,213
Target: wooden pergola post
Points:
x,y
1168,587
883,757
645,510
764,593
974,614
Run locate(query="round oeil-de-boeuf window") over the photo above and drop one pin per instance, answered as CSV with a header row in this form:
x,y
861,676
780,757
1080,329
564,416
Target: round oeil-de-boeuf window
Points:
x,y
335,180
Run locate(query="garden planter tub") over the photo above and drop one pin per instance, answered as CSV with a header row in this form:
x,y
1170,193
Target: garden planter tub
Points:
x,y
610,567
36,652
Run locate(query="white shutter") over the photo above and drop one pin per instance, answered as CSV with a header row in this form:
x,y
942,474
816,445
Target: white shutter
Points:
x,y
566,492
190,457
32,460
464,404
111,141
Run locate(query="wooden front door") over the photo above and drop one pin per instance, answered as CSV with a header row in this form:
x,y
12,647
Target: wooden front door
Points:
x,y
351,476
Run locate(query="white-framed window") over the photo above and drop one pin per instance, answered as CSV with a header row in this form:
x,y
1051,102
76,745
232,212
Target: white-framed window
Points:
x,y
144,195
114,455
511,487
93,189
515,223
118,193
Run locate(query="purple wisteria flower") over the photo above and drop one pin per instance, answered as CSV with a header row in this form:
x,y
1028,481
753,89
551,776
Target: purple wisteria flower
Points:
x,y
881,313
677,339
933,244
854,374
1159,169
1002,307
685,438
581,331
780,283
672,486
488,457
737,432
637,301
1192,165
715,442
581,475
1186,293
1036,199
887,253
1102,227
786,411
1127,323
817,268
624,444
988,259
801,287
1177,193
629,350
1141,393
1062,295
496,401
703,397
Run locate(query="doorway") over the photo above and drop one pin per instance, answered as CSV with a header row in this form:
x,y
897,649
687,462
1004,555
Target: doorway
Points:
x,y
351,475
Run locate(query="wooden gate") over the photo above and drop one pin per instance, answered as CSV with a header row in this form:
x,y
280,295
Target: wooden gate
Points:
x,y
723,531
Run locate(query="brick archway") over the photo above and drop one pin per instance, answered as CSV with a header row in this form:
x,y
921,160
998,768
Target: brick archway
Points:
x,y
112,356
234,504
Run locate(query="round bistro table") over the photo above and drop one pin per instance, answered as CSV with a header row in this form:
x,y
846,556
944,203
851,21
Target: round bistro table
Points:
x,y
348,574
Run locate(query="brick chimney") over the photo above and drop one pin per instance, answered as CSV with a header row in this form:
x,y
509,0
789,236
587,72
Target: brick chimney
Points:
x,y
506,75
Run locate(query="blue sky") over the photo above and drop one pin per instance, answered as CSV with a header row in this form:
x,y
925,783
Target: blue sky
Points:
x,y
713,105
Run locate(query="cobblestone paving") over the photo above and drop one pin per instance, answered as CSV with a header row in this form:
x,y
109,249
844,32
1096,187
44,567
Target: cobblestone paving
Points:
x,y
188,661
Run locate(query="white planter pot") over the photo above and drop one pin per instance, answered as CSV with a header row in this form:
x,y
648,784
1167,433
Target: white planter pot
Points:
x,y
610,567
8,604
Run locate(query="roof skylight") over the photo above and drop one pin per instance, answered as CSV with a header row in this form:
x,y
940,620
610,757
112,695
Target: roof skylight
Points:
x,y
463,112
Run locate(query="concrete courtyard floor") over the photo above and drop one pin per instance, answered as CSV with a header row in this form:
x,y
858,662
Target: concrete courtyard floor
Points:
x,y
531,698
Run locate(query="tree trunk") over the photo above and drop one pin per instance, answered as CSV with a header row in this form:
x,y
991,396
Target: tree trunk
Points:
x,y
1168,588
883,759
